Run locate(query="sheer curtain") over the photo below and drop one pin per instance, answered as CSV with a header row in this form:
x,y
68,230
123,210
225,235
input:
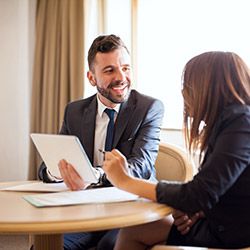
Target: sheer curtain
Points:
x,y
58,66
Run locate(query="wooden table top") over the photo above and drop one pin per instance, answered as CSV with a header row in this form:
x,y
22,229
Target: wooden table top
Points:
x,y
18,216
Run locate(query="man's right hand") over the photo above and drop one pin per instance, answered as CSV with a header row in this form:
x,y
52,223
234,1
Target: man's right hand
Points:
x,y
184,222
70,177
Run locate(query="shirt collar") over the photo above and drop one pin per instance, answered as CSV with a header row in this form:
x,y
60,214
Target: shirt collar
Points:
x,y
101,107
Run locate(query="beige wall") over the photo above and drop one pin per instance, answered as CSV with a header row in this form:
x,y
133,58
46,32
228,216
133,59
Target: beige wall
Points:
x,y
17,19
174,136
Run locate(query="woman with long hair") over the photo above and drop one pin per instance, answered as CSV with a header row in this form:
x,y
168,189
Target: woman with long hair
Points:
x,y
216,92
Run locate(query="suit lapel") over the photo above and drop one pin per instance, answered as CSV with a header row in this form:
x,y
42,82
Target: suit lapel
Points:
x,y
126,111
88,128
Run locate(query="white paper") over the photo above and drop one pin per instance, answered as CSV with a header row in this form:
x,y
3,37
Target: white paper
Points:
x,y
99,195
38,187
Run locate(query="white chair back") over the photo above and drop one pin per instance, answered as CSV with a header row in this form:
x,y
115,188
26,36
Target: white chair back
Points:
x,y
173,163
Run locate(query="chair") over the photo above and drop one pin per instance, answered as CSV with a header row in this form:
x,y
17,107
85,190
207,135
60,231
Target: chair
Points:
x,y
161,247
173,163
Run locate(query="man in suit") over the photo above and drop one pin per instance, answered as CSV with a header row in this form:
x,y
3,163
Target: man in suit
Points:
x,y
136,117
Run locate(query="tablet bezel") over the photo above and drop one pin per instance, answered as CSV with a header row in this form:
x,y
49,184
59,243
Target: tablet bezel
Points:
x,y
53,148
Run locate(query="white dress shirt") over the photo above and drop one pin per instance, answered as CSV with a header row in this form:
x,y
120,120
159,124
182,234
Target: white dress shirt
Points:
x,y
101,125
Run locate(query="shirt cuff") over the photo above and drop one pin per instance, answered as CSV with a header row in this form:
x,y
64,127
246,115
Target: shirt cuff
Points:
x,y
103,181
99,172
52,178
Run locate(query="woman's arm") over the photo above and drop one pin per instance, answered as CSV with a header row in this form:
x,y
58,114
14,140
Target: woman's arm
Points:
x,y
116,169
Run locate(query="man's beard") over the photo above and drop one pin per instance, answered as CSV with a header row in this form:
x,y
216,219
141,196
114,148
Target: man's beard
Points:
x,y
106,92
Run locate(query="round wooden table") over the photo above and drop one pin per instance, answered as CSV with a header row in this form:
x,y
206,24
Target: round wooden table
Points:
x,y
47,225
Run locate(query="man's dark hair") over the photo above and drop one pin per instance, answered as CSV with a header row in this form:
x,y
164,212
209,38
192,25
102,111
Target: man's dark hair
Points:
x,y
104,44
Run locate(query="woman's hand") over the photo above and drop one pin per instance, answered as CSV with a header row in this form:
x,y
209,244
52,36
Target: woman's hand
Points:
x,y
116,168
184,222
70,177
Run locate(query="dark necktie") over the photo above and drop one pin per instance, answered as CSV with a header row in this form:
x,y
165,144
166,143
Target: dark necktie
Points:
x,y
110,129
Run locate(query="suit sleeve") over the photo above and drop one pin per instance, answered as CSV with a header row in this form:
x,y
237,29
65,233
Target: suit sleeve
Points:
x,y
146,144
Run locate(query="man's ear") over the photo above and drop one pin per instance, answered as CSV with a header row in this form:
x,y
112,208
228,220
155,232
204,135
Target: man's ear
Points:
x,y
91,78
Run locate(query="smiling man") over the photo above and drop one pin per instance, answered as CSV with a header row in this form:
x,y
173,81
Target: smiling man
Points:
x,y
135,130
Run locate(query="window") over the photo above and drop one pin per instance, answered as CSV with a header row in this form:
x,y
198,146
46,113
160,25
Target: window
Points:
x,y
172,32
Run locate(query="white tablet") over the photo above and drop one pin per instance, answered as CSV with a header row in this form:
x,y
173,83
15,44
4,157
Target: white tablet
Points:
x,y
53,148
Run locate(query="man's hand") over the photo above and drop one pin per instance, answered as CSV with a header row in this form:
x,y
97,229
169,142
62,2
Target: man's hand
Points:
x,y
184,222
70,177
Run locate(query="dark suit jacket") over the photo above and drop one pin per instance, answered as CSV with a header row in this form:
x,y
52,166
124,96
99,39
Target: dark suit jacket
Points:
x,y
136,135
222,187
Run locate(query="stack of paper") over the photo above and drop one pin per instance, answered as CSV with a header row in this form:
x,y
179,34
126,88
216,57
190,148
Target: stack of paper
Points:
x,y
99,195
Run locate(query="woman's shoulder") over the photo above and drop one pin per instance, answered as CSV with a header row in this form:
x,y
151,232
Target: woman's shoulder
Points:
x,y
237,115
236,110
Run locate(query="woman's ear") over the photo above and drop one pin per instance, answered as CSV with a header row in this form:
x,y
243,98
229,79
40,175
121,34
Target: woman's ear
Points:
x,y
91,78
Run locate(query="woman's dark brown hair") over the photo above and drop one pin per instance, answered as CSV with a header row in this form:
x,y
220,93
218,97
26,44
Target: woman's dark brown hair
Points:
x,y
211,82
